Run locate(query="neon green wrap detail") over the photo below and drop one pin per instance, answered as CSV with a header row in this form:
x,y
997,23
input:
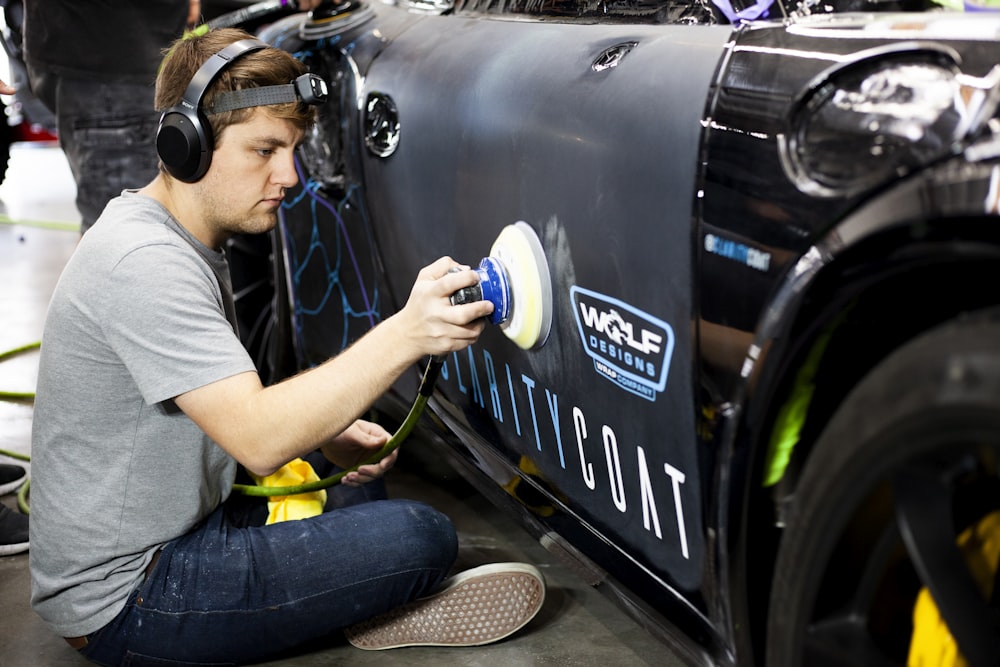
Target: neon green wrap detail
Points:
x,y
792,415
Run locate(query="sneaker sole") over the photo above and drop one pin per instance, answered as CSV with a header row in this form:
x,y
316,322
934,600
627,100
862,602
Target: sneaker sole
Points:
x,y
479,606
11,549
11,487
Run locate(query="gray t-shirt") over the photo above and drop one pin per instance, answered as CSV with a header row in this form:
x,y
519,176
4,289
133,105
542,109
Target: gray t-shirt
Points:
x,y
136,319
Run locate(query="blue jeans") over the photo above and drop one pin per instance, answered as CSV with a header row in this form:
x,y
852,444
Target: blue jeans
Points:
x,y
228,594
107,129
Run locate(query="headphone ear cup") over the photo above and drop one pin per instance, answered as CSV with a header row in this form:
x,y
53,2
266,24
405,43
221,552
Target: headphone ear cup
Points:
x,y
184,139
184,144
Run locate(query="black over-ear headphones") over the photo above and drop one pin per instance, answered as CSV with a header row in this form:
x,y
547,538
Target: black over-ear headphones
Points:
x,y
184,139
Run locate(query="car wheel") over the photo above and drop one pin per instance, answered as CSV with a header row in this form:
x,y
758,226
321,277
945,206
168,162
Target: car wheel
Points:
x,y
897,516
257,266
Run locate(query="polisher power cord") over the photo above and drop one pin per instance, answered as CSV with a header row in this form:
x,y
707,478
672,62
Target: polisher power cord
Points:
x,y
424,393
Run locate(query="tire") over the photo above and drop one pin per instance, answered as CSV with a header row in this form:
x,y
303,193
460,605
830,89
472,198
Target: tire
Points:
x,y
257,267
909,461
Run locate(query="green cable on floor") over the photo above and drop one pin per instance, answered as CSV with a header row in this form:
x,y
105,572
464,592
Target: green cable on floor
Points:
x,y
22,494
17,395
41,224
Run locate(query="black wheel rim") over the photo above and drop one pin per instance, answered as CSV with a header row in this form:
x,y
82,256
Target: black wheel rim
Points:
x,y
909,520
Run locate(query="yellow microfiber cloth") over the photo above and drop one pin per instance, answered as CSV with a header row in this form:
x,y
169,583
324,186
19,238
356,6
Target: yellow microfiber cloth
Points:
x,y
300,505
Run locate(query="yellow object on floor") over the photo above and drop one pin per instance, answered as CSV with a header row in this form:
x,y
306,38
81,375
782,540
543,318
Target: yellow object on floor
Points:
x,y
932,642
300,505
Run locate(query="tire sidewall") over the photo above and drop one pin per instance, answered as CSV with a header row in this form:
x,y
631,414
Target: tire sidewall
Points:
x,y
913,403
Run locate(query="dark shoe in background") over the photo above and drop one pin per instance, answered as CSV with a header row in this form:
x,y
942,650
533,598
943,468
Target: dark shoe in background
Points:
x,y
13,531
11,478
13,524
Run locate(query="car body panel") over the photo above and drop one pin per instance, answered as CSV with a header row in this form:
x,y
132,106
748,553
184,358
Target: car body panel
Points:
x,y
521,123
652,160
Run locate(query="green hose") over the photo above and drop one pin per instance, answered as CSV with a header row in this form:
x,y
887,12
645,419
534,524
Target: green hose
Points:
x,y
18,395
423,394
22,497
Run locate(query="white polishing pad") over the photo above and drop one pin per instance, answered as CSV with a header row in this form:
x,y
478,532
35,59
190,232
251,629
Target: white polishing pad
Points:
x,y
519,251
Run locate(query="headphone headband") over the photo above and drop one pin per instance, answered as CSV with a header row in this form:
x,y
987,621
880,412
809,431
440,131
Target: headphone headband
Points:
x,y
212,67
307,89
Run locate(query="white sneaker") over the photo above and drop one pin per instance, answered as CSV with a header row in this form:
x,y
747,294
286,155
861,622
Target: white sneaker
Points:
x,y
476,607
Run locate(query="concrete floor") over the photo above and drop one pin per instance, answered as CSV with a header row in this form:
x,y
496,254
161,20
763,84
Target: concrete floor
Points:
x,y
577,625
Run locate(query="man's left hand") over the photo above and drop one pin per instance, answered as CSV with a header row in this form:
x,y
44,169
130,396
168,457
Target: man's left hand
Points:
x,y
358,442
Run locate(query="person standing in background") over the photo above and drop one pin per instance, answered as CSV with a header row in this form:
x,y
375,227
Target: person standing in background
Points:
x,y
93,65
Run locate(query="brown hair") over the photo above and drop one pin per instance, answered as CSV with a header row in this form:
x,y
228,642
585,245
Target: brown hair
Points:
x,y
266,67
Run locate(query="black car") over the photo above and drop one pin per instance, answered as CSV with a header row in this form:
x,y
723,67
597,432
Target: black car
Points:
x,y
758,397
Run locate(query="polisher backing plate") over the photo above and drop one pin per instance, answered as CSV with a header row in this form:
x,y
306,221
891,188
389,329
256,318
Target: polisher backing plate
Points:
x,y
520,252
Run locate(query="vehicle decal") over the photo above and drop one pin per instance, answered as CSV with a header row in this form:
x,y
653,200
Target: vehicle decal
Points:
x,y
625,476
629,347
738,252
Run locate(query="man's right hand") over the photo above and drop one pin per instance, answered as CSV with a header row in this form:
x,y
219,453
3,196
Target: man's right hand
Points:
x,y
433,325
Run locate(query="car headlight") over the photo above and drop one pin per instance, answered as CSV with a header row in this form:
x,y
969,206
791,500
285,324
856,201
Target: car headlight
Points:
x,y
878,119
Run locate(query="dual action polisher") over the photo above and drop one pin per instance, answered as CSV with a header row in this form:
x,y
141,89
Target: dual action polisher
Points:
x,y
515,277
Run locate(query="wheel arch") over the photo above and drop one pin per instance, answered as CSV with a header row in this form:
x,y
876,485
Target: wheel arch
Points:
x,y
842,309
